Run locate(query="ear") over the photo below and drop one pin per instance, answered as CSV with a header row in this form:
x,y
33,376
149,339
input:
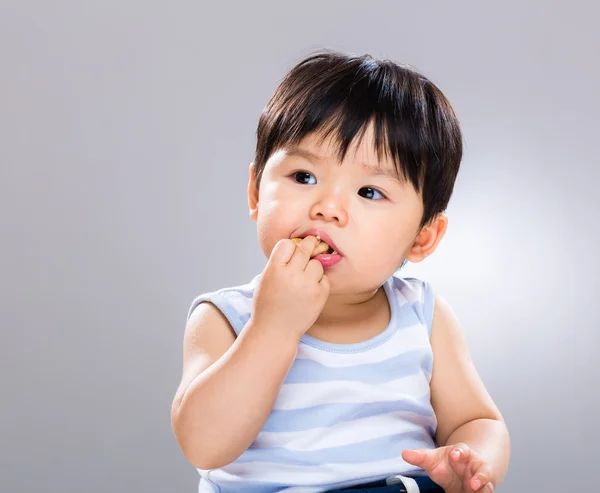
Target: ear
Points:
x,y
428,238
252,193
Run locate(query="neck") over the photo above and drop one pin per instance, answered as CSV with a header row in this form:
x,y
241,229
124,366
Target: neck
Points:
x,y
347,309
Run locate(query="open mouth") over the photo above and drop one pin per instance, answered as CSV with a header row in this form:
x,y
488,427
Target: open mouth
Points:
x,y
321,248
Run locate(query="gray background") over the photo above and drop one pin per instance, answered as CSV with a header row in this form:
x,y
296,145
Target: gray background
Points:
x,y
126,129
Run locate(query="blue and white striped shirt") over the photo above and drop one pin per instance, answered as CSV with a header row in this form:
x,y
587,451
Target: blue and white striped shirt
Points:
x,y
345,412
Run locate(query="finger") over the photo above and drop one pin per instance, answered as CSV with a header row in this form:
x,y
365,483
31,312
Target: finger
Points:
x,y
324,283
282,252
459,457
303,251
460,453
424,458
486,488
314,269
481,475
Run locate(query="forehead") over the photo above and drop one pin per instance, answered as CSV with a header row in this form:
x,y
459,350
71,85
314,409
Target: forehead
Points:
x,y
319,148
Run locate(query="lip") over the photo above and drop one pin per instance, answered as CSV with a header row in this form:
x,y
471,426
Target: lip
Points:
x,y
324,236
328,260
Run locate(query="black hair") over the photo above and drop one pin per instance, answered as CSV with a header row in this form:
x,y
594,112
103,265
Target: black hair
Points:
x,y
334,93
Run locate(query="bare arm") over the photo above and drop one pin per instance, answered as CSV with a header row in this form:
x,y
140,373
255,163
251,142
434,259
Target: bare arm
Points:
x,y
489,437
230,384
228,387
465,410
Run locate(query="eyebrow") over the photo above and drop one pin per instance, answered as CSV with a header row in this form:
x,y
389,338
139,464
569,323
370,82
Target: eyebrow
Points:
x,y
372,170
298,151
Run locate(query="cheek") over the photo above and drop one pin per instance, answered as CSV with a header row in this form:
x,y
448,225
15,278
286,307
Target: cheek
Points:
x,y
267,222
266,245
381,229
281,205
385,240
277,218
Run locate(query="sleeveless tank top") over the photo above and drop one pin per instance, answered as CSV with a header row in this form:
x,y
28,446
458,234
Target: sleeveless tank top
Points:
x,y
345,412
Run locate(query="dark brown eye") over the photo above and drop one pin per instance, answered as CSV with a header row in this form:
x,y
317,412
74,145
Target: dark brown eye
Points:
x,y
370,193
304,177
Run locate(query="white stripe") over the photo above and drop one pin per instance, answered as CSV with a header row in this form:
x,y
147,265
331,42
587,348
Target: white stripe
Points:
x,y
345,433
310,475
205,487
405,339
303,395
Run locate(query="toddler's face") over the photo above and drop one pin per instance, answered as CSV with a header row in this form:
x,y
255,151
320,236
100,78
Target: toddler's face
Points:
x,y
371,218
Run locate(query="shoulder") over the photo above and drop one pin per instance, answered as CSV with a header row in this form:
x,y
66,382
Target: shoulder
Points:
x,y
234,303
208,335
442,323
417,293
214,320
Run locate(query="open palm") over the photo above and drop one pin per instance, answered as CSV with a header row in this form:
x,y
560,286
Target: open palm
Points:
x,y
456,468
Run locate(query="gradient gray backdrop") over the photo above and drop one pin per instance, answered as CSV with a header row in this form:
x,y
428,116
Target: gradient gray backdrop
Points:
x,y
126,129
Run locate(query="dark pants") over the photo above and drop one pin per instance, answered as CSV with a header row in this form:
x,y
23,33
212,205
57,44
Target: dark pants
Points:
x,y
426,485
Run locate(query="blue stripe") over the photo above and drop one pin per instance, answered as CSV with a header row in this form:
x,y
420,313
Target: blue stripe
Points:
x,y
282,420
382,448
406,364
245,317
412,314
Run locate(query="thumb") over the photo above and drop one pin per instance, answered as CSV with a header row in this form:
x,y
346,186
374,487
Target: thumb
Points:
x,y
282,252
424,458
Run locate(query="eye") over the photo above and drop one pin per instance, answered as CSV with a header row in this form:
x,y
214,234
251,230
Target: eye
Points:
x,y
371,193
304,178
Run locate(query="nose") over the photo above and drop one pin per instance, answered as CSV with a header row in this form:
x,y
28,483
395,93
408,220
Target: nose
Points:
x,y
330,208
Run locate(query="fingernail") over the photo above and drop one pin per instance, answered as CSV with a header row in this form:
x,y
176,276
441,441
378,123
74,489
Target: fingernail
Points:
x,y
456,454
476,483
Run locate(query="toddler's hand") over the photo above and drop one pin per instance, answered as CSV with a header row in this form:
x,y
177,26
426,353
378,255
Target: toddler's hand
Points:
x,y
293,288
456,468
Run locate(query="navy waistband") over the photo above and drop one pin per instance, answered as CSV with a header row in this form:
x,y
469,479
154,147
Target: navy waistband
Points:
x,y
426,485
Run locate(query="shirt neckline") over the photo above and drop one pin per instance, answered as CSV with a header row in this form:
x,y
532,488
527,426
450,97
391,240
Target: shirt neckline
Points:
x,y
369,343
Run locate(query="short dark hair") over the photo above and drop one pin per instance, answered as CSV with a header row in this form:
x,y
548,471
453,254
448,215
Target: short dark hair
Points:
x,y
334,93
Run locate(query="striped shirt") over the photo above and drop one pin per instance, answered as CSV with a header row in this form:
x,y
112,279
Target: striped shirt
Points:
x,y
345,412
